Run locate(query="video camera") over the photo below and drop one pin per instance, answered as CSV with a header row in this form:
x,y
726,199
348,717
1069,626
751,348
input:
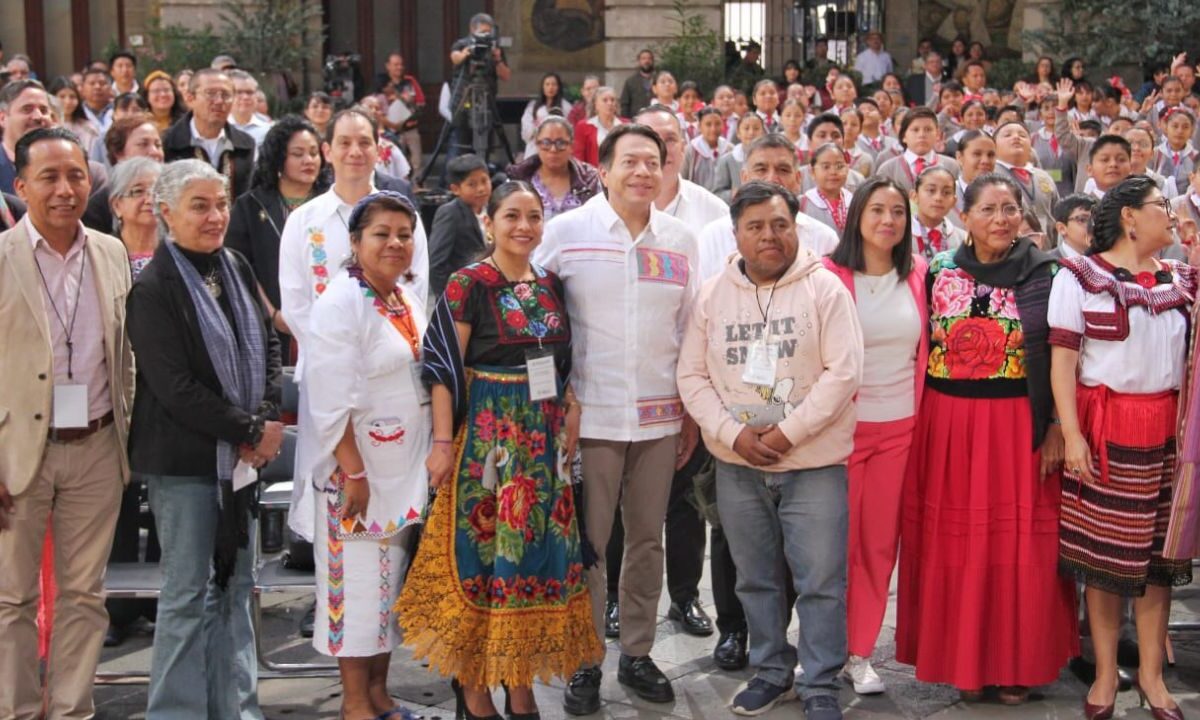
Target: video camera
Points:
x,y
482,45
339,72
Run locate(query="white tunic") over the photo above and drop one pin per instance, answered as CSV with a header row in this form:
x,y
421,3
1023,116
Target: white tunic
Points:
x,y
313,247
362,371
1139,346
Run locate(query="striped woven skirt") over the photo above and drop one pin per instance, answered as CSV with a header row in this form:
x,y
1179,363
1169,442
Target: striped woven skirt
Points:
x,y
1111,531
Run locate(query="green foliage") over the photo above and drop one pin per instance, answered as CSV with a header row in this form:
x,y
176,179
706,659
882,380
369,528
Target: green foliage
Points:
x,y
1106,33
266,35
172,48
694,51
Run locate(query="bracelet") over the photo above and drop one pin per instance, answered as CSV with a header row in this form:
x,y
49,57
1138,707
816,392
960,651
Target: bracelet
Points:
x,y
444,442
361,475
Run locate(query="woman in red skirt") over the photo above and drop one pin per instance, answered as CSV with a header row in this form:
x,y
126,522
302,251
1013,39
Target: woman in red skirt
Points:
x,y
980,599
1119,327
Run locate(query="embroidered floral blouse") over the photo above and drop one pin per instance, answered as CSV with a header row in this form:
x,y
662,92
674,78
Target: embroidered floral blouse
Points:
x,y
507,318
977,342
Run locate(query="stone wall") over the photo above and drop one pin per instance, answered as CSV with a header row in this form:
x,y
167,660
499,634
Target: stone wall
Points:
x,y
632,25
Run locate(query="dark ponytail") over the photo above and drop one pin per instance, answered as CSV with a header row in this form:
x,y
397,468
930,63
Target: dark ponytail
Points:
x,y
1105,224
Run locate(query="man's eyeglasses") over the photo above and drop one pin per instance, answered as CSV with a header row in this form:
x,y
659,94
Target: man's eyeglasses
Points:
x,y
217,95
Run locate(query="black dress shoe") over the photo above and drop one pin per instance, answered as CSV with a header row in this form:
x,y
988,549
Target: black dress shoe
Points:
x,y
612,619
308,621
642,676
730,653
114,636
582,695
692,618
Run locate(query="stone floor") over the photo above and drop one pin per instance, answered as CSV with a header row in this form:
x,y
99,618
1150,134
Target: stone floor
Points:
x,y
702,691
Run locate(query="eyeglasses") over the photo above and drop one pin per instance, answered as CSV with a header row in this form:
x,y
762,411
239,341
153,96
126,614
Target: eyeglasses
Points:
x,y
1163,203
989,211
554,144
246,92
217,95
137,193
1081,219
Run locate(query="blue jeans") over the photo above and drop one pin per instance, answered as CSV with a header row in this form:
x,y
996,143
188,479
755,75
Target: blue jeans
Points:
x,y
801,518
204,665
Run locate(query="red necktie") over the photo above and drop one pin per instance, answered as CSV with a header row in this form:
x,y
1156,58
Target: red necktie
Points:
x,y
836,209
876,143
1054,145
935,240
1174,158
1021,174
919,166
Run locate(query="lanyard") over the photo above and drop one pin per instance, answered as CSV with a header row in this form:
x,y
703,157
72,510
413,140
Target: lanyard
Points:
x,y
69,329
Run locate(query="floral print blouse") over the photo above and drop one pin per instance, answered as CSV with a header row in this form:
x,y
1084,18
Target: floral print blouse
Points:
x,y
975,330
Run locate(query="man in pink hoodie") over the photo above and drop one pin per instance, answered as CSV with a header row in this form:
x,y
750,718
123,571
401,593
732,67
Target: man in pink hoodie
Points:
x,y
769,366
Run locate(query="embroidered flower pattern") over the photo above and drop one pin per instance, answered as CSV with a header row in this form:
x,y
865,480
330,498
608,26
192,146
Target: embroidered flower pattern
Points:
x,y
320,273
976,329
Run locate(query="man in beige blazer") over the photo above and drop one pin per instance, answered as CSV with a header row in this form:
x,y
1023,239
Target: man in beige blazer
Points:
x,y
65,398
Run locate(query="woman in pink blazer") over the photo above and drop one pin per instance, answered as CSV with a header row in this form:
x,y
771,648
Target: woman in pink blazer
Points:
x,y
887,281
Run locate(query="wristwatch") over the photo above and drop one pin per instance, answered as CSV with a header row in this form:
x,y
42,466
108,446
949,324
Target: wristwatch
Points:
x,y
258,424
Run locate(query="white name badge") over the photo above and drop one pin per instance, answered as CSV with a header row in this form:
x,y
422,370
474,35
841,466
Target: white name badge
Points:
x,y
543,377
760,364
419,385
70,406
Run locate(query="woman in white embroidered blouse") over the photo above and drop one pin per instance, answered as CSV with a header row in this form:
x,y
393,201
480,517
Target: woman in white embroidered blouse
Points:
x,y
371,419
1118,326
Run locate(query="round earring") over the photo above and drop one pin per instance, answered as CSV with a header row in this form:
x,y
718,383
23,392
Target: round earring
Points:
x,y
969,241
1132,235
490,237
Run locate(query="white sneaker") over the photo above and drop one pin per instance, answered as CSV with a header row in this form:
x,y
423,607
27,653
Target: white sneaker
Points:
x,y
866,680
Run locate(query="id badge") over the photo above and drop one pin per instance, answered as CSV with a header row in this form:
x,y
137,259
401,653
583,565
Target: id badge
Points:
x,y
419,385
760,364
1055,174
70,406
543,376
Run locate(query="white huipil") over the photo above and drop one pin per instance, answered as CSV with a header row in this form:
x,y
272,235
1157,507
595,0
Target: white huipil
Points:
x,y
313,247
361,370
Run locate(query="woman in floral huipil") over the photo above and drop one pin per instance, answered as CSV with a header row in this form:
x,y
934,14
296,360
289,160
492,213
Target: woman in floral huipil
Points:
x,y
980,600
496,595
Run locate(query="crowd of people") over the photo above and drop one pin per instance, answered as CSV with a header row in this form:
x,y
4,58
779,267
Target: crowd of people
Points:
x,y
831,331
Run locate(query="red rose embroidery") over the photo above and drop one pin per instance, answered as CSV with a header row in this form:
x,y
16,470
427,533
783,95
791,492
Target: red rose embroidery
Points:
x,y
505,429
516,500
474,470
485,425
483,519
546,301
975,349
564,510
515,319
537,443
454,292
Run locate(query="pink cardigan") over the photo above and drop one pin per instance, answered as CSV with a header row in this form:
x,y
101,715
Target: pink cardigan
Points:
x,y
916,284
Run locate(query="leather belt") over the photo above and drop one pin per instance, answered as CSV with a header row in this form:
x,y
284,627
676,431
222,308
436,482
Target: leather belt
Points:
x,y
66,435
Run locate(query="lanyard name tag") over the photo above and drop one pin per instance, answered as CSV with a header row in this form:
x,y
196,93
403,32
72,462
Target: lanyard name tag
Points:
x,y
543,377
70,406
760,364
419,384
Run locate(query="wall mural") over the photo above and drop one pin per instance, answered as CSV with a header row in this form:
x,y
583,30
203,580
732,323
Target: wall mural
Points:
x,y
995,23
558,31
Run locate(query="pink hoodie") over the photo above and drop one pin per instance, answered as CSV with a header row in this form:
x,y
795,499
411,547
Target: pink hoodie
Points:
x,y
814,322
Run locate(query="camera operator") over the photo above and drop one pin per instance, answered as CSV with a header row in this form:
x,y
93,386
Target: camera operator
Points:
x,y
470,54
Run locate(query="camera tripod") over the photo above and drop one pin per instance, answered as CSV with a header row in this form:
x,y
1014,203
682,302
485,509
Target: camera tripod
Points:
x,y
477,106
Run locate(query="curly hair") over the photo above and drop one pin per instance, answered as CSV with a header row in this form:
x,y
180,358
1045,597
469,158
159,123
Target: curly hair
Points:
x,y
1105,224
272,154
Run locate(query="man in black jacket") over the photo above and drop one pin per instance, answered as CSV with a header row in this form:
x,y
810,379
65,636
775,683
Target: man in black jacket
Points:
x,y
205,132
923,89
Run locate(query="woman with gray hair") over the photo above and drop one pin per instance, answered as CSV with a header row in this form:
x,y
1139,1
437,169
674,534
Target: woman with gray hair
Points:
x,y
203,419
129,196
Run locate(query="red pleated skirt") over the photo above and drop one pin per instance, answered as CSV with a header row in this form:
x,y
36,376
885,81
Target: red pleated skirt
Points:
x,y
980,598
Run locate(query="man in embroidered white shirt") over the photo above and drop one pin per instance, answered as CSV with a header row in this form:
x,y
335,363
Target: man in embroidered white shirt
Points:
x,y
630,276
873,62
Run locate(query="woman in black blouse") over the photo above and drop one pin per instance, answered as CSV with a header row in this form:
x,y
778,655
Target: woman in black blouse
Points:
x,y
207,392
496,594
287,174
